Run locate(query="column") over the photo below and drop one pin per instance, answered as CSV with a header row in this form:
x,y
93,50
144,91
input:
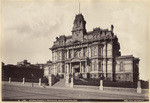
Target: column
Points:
x,y
85,67
98,65
70,68
72,53
87,51
80,68
67,53
82,52
90,53
67,68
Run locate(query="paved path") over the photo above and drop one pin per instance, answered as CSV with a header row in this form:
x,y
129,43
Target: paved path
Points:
x,y
20,91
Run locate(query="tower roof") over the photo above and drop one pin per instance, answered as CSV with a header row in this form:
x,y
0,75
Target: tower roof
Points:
x,y
79,17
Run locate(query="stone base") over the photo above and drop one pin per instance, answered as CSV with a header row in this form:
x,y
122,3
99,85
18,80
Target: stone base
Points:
x,y
101,88
40,84
50,80
71,85
68,76
139,90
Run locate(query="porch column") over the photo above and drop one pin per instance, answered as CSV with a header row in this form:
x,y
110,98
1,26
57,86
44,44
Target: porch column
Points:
x,y
80,68
67,68
67,53
70,68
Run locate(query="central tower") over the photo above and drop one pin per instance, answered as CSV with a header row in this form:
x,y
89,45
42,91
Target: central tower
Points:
x,y
79,28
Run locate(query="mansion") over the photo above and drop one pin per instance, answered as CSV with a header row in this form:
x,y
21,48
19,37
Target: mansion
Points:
x,y
93,54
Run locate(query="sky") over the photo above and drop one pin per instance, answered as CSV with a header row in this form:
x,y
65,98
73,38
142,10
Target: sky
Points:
x,y
29,28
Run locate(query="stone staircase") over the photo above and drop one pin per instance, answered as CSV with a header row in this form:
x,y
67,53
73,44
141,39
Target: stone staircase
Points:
x,y
60,83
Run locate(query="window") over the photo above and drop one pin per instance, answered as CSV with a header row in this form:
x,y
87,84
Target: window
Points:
x,y
58,55
95,66
63,68
127,76
95,50
77,53
69,53
84,52
121,66
100,66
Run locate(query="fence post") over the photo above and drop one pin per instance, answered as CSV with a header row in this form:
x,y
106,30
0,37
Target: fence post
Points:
x,y
101,85
139,90
23,81
39,81
72,82
9,80
67,78
50,80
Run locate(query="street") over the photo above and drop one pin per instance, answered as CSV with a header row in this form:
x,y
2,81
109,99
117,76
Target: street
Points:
x,y
28,92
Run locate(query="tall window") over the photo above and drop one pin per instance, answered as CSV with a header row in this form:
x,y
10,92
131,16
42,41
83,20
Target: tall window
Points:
x,y
100,66
84,52
121,66
58,55
95,66
95,50
63,68
77,53
69,53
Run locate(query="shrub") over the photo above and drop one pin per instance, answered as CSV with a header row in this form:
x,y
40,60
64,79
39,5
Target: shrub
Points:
x,y
96,82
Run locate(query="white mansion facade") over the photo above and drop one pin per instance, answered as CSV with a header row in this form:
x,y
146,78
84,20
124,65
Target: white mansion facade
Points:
x,y
93,54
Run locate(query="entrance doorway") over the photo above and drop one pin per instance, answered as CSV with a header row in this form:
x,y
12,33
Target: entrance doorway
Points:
x,y
77,70
76,67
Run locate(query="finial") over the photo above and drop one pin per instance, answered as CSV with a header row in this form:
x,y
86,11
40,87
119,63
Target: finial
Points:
x,y
112,27
79,7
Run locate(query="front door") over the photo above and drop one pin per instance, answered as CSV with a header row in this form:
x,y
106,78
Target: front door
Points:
x,y
77,70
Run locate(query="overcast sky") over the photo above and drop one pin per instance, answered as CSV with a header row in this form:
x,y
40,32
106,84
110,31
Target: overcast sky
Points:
x,y
30,28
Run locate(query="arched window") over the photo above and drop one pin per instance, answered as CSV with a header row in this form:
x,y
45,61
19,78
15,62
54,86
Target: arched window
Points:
x,y
121,66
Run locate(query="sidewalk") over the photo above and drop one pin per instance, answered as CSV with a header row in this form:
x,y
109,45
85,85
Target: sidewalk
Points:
x,y
80,88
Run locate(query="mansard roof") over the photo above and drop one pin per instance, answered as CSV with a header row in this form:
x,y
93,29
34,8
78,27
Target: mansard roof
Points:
x,y
101,34
127,57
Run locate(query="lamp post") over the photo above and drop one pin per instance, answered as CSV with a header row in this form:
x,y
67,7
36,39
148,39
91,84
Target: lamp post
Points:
x,y
32,79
